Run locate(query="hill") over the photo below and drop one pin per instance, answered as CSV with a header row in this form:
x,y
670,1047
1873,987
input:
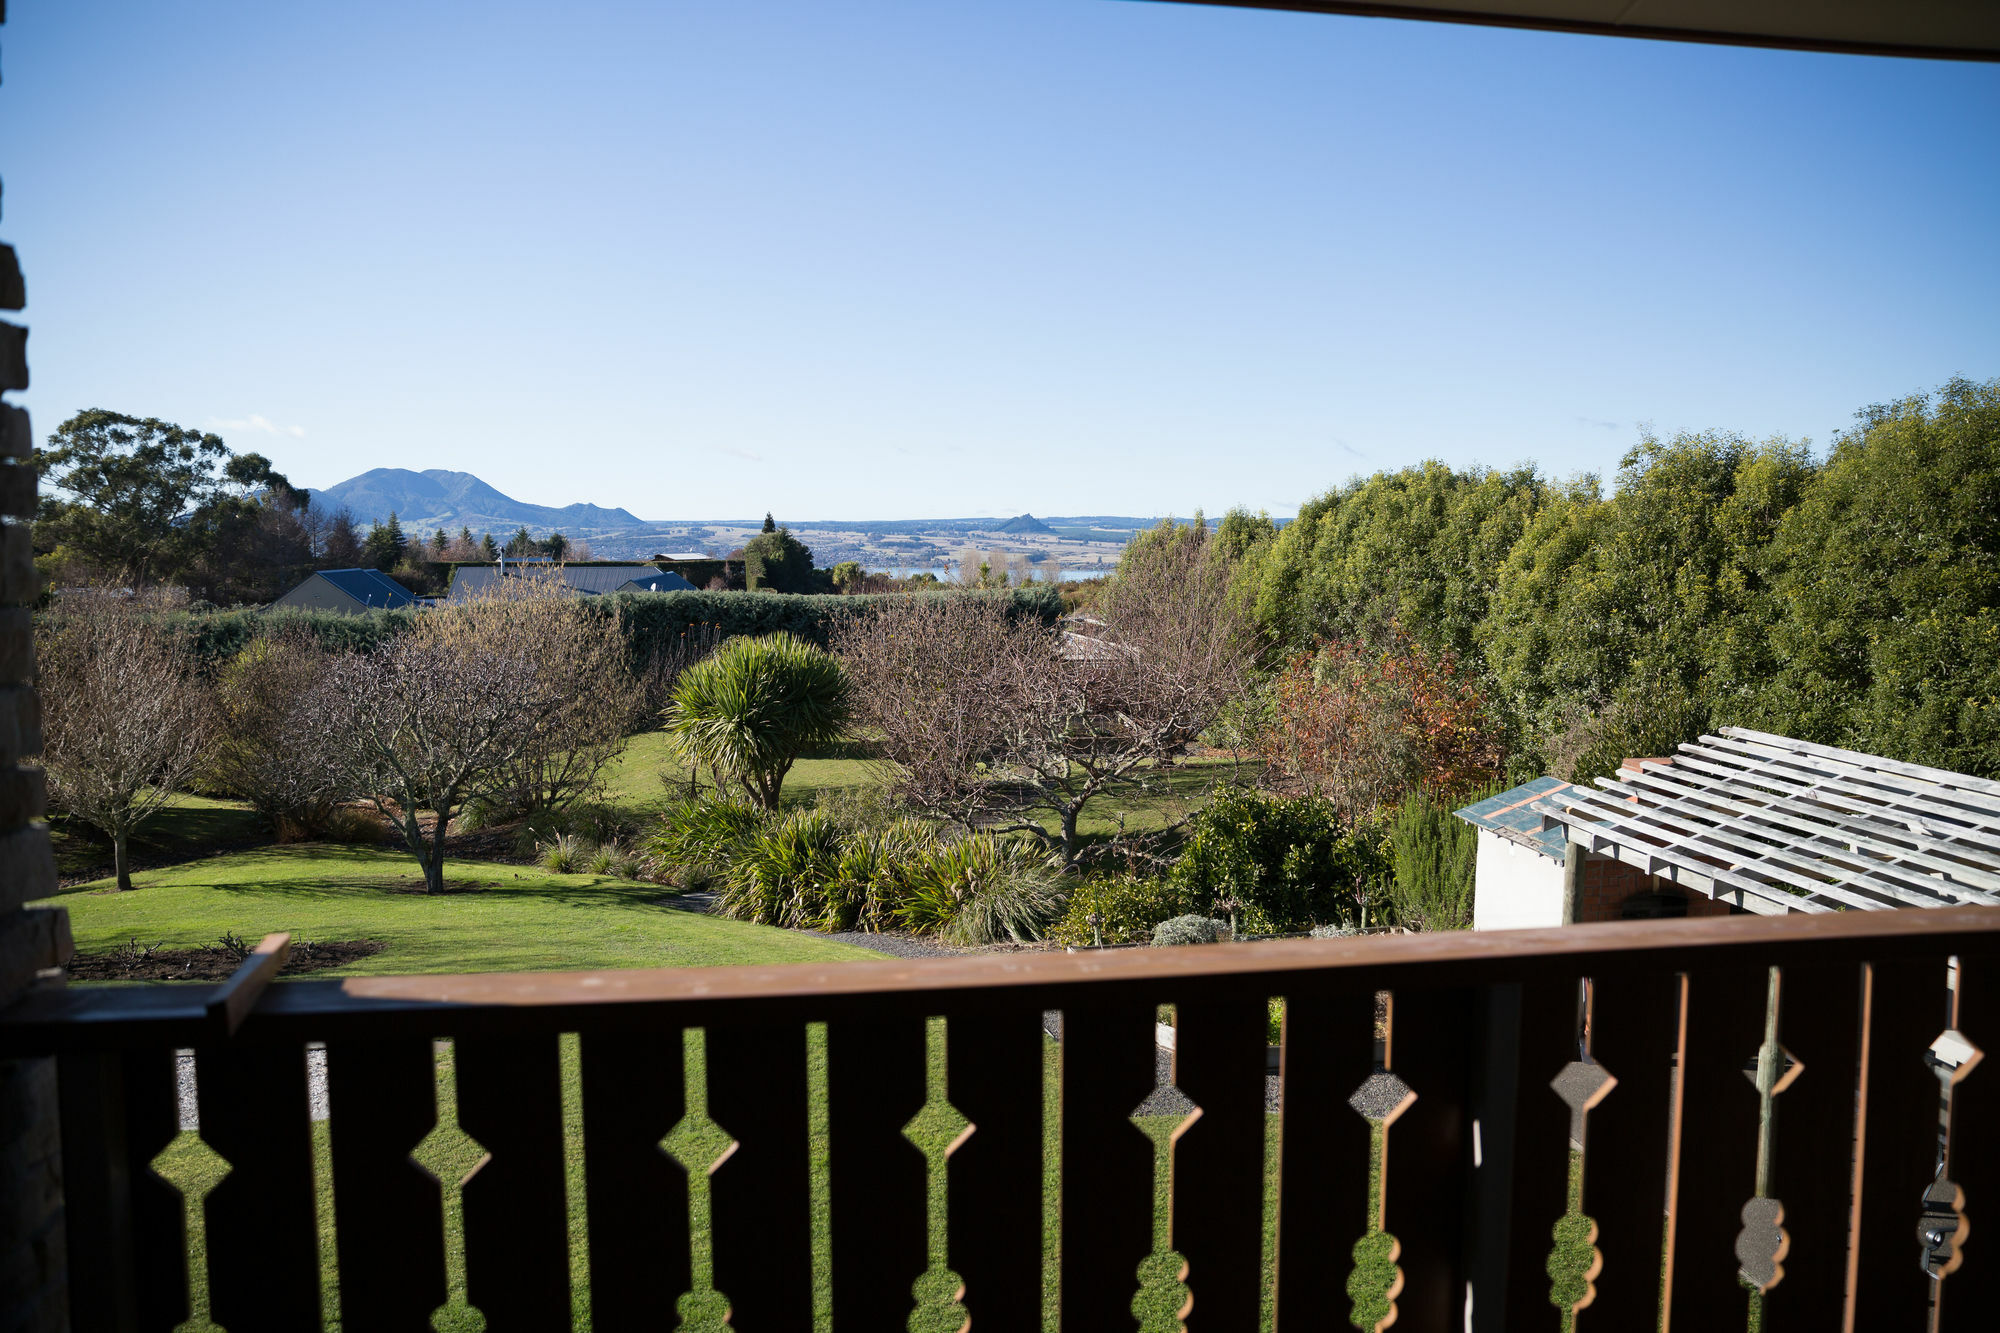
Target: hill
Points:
x,y
1025,523
438,498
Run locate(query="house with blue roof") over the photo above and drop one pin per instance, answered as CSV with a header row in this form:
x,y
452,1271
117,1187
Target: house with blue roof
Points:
x,y
349,591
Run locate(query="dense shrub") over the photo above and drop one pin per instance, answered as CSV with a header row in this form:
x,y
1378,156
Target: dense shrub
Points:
x,y
1189,929
786,874
1286,862
1433,851
696,840
1126,906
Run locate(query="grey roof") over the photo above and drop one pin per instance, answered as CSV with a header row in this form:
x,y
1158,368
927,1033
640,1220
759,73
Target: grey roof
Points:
x,y
1775,825
590,580
1508,814
370,587
666,582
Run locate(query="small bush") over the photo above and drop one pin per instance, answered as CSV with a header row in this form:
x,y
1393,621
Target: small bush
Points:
x,y
1126,906
1189,929
351,823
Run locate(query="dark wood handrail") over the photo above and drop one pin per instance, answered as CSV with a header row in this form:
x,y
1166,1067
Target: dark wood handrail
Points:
x,y
230,1003
104,1018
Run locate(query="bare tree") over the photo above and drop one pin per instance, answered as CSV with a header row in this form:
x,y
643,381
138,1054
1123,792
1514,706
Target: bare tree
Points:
x,y
433,716
125,719
1008,725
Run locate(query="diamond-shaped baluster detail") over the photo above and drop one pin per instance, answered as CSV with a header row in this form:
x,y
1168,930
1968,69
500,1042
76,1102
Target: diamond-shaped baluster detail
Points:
x,y
193,1168
450,1154
1163,1299
1581,1085
1943,1220
699,1145
936,1131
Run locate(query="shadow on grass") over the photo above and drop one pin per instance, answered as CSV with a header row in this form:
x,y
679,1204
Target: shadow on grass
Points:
x,y
177,833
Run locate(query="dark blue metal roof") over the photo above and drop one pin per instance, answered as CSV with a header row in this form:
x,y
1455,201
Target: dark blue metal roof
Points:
x,y
667,581
370,587
1508,815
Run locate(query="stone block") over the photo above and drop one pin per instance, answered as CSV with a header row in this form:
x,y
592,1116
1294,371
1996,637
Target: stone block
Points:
x,y
17,489
27,866
30,940
17,645
17,435
13,287
19,584
24,796
13,357
20,723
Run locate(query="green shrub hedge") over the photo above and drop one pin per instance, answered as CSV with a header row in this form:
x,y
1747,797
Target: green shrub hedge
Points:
x,y
654,620
1286,861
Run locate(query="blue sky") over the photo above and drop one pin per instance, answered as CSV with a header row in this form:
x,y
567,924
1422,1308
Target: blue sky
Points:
x,y
915,258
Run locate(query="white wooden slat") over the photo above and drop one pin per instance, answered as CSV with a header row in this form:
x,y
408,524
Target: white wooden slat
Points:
x,y
1908,808
1702,839
1911,851
1710,880
1823,801
1943,777
1956,803
1861,874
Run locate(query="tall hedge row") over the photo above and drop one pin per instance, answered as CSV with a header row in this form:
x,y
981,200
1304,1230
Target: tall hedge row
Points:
x,y
653,619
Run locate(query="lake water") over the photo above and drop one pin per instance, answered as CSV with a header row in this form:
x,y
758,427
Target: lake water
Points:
x,y
945,572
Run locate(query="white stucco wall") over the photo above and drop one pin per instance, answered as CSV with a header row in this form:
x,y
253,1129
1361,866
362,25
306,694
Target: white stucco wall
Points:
x,y
1514,887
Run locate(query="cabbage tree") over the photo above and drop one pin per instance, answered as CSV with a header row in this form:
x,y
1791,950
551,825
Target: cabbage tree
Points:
x,y
750,709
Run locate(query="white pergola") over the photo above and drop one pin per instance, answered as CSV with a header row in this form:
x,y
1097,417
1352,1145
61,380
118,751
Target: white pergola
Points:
x,y
1774,825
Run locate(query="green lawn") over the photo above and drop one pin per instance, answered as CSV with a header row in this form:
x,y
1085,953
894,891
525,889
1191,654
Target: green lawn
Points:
x,y
187,826
509,917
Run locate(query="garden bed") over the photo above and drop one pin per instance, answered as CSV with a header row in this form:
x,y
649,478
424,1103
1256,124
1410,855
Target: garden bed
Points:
x,y
209,962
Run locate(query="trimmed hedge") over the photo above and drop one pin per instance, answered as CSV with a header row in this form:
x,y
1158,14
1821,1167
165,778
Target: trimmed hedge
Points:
x,y
653,619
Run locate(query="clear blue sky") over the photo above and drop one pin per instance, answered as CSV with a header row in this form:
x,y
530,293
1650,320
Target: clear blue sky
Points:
x,y
916,258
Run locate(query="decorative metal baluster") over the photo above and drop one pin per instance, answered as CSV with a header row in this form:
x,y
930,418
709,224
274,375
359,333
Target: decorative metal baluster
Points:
x,y
1972,1283
1548,1045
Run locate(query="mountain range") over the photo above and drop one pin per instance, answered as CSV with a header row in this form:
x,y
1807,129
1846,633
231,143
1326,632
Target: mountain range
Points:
x,y
439,498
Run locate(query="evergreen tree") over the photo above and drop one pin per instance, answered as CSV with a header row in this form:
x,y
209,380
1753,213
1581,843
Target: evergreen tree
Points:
x,y
386,544
556,546
521,543
488,550
341,547
770,524
778,561
439,543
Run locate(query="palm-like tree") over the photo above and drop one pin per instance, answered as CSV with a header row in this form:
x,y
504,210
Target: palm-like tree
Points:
x,y
748,710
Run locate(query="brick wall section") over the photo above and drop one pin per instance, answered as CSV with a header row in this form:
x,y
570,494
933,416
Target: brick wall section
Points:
x,y
1608,883
33,1278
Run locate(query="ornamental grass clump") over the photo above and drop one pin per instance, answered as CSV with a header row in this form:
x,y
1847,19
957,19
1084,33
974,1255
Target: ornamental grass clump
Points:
x,y
982,889
696,841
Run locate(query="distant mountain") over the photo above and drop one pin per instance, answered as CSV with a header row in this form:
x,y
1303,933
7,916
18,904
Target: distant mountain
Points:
x,y
1025,523
438,498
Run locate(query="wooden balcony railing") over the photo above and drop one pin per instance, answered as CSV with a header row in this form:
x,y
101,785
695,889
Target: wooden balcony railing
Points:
x,y
1475,1174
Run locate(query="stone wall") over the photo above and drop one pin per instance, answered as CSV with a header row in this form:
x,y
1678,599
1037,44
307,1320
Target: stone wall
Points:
x,y
33,1292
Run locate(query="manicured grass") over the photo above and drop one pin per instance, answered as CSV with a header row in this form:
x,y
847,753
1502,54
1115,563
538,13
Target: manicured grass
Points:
x,y
187,826
637,783
517,917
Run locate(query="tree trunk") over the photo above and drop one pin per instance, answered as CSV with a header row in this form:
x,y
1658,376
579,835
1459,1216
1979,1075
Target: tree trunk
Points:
x,y
1069,835
121,859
